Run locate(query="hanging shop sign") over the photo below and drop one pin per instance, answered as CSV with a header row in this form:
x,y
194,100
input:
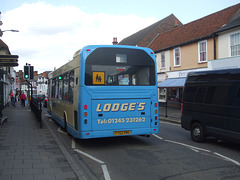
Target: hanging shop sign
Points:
x,y
9,60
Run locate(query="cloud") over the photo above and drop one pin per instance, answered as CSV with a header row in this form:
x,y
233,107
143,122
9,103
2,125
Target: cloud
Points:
x,y
50,35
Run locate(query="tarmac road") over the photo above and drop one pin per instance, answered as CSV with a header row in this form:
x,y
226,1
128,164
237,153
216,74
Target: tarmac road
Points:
x,y
169,155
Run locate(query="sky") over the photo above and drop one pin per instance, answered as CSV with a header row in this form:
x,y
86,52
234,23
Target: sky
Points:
x,y
51,31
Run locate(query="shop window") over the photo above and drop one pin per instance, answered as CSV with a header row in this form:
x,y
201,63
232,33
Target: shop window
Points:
x,y
162,94
174,94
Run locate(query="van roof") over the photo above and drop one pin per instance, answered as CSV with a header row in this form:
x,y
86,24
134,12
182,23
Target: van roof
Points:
x,y
214,75
222,71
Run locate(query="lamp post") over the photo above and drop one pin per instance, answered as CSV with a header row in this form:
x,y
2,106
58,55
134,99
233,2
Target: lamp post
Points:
x,y
1,23
12,30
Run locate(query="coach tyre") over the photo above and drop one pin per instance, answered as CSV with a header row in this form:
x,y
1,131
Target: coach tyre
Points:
x,y
197,133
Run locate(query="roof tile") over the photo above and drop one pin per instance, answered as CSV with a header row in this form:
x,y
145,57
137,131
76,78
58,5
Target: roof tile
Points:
x,y
145,36
196,30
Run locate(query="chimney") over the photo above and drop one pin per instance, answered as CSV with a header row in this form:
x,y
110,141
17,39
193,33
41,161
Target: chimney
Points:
x,y
176,22
114,41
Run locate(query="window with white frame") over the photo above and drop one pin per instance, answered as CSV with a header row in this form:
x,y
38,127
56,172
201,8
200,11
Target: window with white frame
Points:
x,y
202,51
177,60
162,59
235,44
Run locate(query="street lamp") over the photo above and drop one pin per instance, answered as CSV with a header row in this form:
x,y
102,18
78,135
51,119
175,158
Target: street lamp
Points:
x,y
12,30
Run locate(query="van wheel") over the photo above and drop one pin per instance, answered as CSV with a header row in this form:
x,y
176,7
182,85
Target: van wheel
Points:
x,y
197,133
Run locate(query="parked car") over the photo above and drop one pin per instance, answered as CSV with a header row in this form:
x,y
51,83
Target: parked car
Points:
x,y
211,104
39,96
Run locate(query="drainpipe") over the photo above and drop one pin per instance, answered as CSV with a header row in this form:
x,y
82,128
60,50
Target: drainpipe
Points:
x,y
214,46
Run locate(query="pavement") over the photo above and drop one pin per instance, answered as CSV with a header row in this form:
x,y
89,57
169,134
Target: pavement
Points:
x,y
29,152
171,114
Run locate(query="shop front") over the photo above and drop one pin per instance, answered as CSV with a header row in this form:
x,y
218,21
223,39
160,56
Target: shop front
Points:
x,y
171,90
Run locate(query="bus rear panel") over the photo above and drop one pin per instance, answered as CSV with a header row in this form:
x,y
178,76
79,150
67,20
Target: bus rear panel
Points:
x,y
117,92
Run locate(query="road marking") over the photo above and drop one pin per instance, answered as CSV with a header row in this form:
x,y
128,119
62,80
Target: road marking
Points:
x,y
89,156
228,159
189,146
158,137
197,149
103,165
105,172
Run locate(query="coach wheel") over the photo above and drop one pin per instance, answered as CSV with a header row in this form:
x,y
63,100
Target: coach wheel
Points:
x,y
197,133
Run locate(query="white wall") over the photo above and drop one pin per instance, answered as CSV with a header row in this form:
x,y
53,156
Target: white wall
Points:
x,y
224,50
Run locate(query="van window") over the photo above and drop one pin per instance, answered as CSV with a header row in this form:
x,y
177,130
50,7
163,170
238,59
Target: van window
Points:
x,y
190,94
238,94
200,95
209,95
220,96
234,76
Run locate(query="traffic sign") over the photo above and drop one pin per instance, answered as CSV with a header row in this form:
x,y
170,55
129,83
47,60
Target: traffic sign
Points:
x,y
9,60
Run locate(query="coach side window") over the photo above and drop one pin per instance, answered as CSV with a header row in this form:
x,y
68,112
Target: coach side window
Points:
x,y
71,86
53,84
65,86
60,87
56,88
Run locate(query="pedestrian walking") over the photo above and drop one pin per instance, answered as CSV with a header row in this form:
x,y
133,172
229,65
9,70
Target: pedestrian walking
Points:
x,y
12,97
23,99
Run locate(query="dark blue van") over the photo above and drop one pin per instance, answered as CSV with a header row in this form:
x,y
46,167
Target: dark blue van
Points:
x,y
211,104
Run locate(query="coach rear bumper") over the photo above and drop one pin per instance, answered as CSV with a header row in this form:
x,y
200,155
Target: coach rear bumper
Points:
x,y
117,133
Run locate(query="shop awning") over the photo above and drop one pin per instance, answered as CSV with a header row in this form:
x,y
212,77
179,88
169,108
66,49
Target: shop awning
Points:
x,y
172,82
